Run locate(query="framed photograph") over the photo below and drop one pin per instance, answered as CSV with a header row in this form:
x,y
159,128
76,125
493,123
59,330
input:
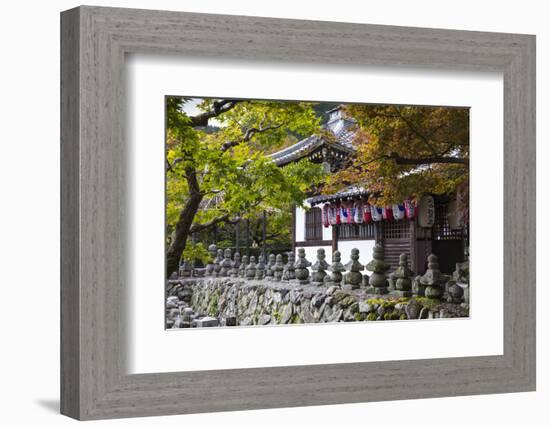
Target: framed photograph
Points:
x,y
262,213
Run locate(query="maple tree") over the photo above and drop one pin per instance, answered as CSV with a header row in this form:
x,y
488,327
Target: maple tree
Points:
x,y
406,151
221,174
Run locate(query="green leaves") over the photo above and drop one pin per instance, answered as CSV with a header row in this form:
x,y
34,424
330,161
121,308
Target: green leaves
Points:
x,y
235,176
405,151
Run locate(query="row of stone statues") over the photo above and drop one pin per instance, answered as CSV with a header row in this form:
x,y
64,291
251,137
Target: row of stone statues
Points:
x,y
402,282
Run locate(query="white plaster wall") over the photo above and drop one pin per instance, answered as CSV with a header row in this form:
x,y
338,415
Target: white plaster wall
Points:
x,y
364,246
327,233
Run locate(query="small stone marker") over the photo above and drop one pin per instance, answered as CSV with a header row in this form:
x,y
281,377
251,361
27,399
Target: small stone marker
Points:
x,y
213,249
268,269
353,278
226,263
402,276
185,269
433,279
379,268
288,272
278,268
251,268
217,263
236,265
455,293
260,268
242,268
336,269
319,268
301,267
206,322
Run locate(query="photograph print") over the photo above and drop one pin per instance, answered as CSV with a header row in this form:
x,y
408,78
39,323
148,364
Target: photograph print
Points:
x,y
301,212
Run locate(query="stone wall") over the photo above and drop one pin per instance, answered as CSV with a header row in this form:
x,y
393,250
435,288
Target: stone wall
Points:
x,y
199,302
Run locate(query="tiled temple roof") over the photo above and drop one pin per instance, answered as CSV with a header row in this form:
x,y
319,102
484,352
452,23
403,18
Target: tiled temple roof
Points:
x,y
350,192
343,130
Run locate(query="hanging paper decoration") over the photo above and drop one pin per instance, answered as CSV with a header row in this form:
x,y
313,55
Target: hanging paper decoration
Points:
x,y
387,213
332,213
367,216
376,213
345,212
357,212
398,211
410,209
325,214
426,211
338,214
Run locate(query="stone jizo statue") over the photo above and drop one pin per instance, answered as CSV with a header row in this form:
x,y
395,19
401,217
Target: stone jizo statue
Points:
x,y
251,268
319,268
278,268
212,249
354,278
260,268
301,267
236,265
379,268
226,264
403,277
288,272
336,269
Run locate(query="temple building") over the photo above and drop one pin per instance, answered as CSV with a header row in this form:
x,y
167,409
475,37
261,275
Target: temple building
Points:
x,y
345,220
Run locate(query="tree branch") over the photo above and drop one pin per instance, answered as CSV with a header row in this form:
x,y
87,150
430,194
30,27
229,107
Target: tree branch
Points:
x,y
248,134
218,107
427,160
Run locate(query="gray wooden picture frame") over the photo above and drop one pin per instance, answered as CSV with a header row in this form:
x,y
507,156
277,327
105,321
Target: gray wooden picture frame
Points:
x,y
94,382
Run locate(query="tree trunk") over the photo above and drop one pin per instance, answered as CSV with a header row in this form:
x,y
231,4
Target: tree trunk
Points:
x,y
181,233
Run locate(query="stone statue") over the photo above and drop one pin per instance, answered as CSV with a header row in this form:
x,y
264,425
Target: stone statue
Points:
x,y
236,265
212,249
185,269
242,268
336,269
301,267
260,268
251,268
379,267
288,272
455,293
268,269
319,268
402,277
217,263
354,278
433,279
226,264
278,268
